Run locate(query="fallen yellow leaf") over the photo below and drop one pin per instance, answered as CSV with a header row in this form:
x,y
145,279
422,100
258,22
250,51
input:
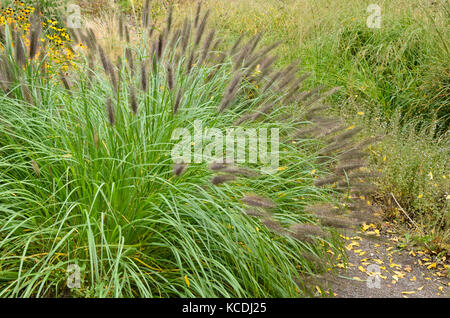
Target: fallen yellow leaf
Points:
x,y
431,266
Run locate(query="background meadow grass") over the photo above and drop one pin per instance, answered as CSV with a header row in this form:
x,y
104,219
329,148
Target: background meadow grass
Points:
x,y
395,82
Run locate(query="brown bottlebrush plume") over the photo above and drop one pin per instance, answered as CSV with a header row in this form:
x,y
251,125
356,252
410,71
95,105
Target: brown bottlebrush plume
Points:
x,y
86,41
367,142
146,14
260,55
273,225
170,80
144,79
169,20
288,74
130,60
160,46
321,96
207,45
36,169
174,40
311,112
127,34
247,51
338,222
306,232
217,166
20,51
190,61
201,28
121,27
310,93
258,201
65,83
271,81
240,171
346,135
360,188
35,34
133,100
197,13
107,66
365,175
222,179
351,154
185,35
255,213
27,95
177,103
217,66
214,48
320,120
236,45
243,53
151,29
74,35
335,146
103,59
254,43
179,169
329,129
3,83
266,67
266,109
358,204
327,180
324,209
365,215
242,119
230,92
110,111
303,133
119,63
346,167
291,93
113,78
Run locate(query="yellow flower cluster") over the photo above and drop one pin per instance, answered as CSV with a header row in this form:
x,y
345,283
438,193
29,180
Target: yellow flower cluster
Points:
x,y
54,37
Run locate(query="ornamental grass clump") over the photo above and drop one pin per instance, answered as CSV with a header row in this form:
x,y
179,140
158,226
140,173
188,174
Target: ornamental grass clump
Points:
x,y
88,178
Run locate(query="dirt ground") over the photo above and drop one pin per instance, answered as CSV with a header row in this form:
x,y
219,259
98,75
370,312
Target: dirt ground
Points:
x,y
380,267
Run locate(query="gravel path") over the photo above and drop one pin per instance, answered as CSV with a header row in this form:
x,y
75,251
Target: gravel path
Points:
x,y
403,272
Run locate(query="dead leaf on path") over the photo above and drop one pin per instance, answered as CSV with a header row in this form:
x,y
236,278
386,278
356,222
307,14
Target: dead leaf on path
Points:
x,y
432,266
408,292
